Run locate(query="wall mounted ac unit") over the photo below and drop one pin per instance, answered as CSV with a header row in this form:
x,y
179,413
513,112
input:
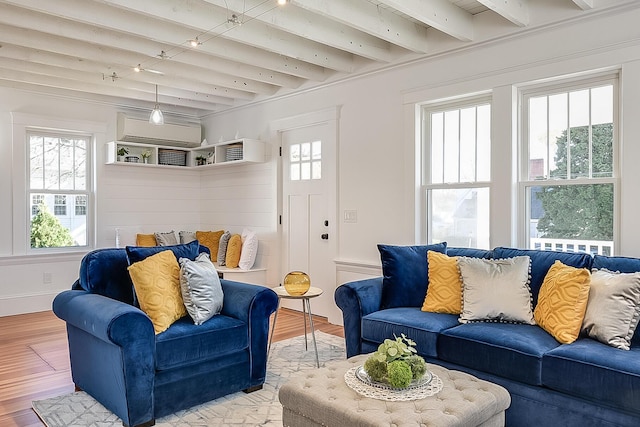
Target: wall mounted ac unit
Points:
x,y
136,130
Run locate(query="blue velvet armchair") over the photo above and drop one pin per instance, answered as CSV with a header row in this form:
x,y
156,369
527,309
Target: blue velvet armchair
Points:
x,y
117,358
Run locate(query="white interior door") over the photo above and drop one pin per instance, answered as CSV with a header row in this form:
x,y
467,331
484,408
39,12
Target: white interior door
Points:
x,y
308,211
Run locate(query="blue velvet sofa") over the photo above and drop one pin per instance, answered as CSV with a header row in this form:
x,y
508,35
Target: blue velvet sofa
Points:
x,y
585,383
139,376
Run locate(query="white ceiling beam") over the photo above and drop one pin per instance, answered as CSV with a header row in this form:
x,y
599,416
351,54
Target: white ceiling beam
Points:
x,y
116,57
180,88
439,14
99,89
202,17
156,39
305,24
584,4
516,11
369,18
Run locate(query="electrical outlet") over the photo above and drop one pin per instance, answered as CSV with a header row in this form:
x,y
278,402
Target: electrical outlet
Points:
x,y
350,216
47,278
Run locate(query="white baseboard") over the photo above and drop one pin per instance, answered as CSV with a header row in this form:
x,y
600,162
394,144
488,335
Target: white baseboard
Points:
x,y
22,304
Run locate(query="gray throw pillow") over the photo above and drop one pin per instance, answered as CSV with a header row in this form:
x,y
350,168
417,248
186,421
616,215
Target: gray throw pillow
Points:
x,y
613,309
201,289
187,236
496,290
222,248
166,239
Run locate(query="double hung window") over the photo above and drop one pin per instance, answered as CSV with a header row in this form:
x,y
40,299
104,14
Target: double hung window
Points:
x,y
457,172
59,188
568,176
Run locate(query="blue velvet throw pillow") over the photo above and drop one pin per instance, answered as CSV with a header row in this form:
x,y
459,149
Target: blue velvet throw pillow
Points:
x,y
405,274
139,253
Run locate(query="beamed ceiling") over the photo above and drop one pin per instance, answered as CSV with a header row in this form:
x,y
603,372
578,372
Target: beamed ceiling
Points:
x,y
247,50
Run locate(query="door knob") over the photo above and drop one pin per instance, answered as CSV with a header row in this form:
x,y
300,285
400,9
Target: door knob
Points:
x,y
324,236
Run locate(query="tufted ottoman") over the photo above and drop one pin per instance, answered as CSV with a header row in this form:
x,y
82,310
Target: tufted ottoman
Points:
x,y
321,398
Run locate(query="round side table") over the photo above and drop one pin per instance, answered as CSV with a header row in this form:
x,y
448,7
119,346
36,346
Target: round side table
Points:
x,y
306,311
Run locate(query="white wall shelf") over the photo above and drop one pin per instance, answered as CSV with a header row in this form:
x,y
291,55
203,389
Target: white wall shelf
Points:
x,y
227,153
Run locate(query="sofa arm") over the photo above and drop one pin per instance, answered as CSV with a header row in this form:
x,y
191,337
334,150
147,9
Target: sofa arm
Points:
x,y
109,336
254,305
356,300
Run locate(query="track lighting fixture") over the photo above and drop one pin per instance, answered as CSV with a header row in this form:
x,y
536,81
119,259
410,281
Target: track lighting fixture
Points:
x,y
156,117
282,2
195,42
137,68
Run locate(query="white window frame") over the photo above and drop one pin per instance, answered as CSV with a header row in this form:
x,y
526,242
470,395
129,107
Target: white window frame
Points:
x,y
427,185
548,89
22,124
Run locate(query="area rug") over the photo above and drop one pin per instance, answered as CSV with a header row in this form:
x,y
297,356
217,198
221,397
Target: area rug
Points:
x,y
260,408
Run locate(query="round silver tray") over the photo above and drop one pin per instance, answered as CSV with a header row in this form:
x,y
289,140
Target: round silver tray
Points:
x,y
362,375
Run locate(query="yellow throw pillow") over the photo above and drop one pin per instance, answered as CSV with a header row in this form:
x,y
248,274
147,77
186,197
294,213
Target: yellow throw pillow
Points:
x,y
444,294
146,240
210,239
156,280
562,301
234,249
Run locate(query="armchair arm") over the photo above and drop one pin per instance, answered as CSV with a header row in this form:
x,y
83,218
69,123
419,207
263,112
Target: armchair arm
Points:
x,y
109,336
356,300
252,304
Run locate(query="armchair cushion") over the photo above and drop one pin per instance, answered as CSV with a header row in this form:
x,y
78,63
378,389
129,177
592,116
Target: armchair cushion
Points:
x,y
184,343
405,274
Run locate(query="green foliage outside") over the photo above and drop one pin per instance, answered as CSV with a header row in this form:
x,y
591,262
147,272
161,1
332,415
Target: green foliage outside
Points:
x,y
47,231
580,211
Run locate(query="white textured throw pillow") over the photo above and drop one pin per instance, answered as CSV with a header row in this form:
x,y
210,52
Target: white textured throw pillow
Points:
x,y
613,309
496,290
201,288
249,249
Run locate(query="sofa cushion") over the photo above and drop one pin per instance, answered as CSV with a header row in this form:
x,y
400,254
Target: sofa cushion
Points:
x,y
422,327
541,261
595,371
495,290
613,309
157,283
470,252
444,294
146,240
513,351
185,343
616,263
210,239
562,301
201,288
405,274
166,238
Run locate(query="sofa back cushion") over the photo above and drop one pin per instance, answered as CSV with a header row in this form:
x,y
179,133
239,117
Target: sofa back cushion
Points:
x,y
541,261
470,252
405,274
104,272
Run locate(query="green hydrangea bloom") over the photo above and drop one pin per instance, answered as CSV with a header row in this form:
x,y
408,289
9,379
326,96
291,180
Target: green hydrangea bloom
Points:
x,y
399,374
417,365
376,369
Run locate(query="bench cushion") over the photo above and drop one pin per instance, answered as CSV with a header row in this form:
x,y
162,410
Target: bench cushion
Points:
x,y
185,343
422,327
512,351
595,371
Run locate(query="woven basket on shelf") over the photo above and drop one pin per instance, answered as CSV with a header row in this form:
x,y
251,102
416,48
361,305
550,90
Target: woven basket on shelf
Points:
x,y
168,156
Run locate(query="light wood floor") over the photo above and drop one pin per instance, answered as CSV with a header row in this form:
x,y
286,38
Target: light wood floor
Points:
x,y
34,360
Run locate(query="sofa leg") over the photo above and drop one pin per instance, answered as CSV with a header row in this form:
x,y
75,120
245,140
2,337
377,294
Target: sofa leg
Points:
x,y
76,388
149,423
252,389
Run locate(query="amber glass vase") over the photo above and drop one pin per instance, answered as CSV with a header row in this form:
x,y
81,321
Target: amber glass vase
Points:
x,y
297,283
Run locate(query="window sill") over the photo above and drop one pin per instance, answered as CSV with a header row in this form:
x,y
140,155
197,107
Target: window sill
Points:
x,y
42,258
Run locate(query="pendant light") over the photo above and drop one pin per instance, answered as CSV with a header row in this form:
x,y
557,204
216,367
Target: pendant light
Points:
x,y
156,117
